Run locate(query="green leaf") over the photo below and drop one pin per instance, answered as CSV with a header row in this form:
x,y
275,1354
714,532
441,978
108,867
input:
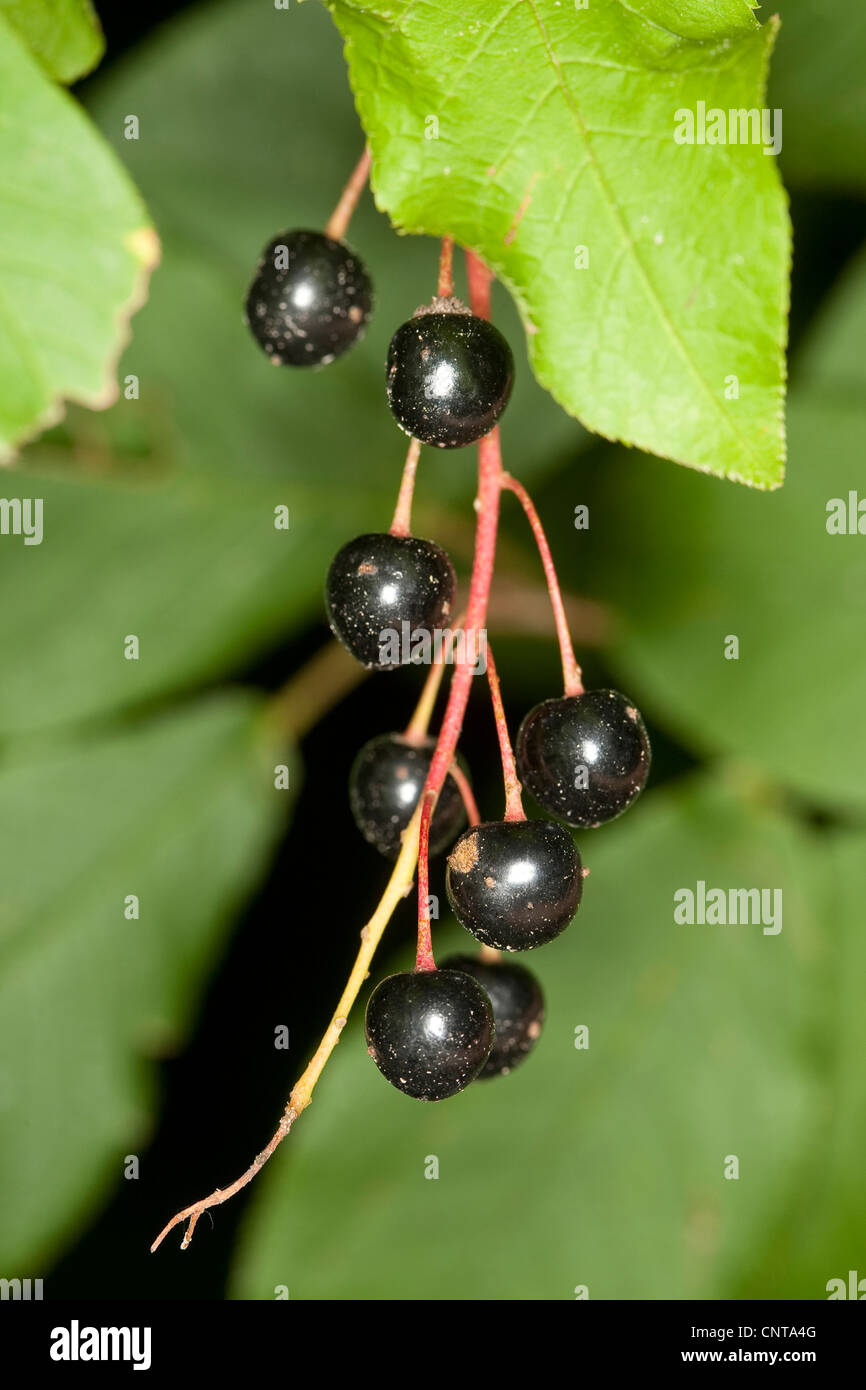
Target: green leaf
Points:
x,y
817,81
75,250
603,1166
697,19
195,569
555,131
63,34
821,1232
181,813
762,570
833,355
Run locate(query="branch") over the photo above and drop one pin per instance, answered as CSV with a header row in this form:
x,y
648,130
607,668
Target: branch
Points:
x,y
329,675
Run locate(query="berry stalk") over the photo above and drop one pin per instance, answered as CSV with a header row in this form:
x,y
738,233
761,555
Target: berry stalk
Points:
x,y
402,522
445,288
416,729
513,800
424,951
489,955
338,223
472,814
571,672
480,280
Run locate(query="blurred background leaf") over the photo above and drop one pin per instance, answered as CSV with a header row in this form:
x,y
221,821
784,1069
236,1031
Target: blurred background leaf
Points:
x,y
763,570
63,34
181,813
833,358
817,81
195,569
821,1230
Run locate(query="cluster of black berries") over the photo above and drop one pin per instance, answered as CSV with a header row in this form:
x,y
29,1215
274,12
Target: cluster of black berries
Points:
x,y
514,884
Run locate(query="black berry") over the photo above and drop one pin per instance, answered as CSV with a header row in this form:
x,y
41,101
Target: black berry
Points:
x,y
449,377
429,1031
310,299
385,783
584,757
386,595
514,884
518,1009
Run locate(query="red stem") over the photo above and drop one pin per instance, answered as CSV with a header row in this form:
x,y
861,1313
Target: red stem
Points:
x,y
416,729
445,288
487,505
479,278
402,523
472,814
487,513
424,952
571,672
513,801
338,222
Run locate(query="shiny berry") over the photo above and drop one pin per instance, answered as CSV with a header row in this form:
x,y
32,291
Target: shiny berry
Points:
x,y
386,595
385,783
310,299
449,376
518,1009
429,1031
514,884
584,757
